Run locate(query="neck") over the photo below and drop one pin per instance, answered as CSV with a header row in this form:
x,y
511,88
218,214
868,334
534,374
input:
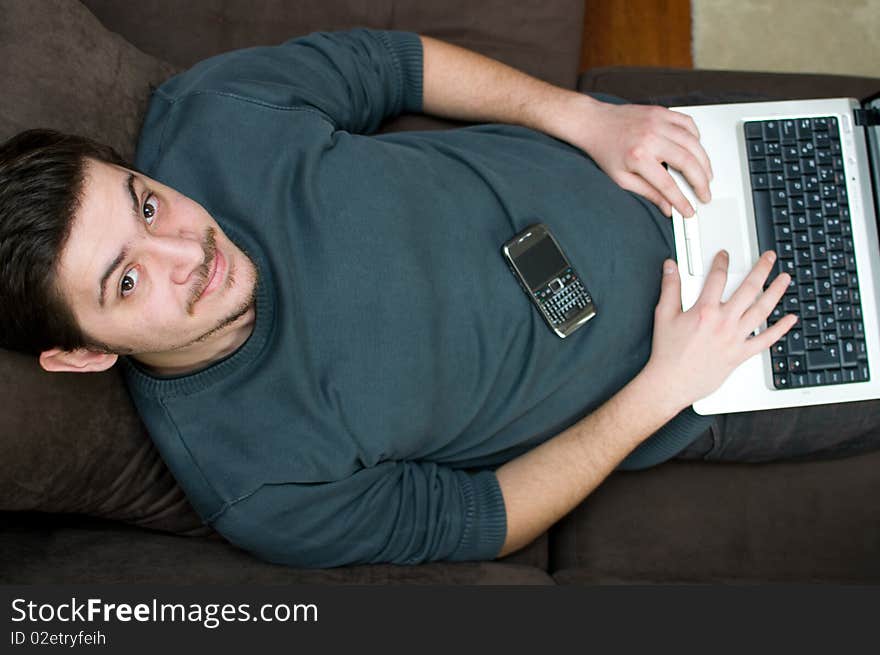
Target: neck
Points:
x,y
201,354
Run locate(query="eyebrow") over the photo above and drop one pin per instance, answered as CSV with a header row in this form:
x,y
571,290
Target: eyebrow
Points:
x,y
127,187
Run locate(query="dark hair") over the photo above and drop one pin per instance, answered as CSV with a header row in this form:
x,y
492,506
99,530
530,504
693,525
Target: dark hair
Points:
x,y
42,173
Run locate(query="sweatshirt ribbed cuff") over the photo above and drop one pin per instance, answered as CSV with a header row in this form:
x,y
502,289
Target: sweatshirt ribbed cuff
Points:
x,y
668,441
485,526
407,51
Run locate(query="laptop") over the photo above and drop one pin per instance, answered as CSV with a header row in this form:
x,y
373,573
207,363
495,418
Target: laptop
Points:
x,y
801,178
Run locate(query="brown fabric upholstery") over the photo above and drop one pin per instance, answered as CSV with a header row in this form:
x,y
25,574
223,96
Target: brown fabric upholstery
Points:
x,y
696,522
643,84
80,550
74,443
60,68
539,37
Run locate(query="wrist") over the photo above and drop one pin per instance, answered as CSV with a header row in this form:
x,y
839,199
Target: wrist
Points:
x,y
657,391
565,115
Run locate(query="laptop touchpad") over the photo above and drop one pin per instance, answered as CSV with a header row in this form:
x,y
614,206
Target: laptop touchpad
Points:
x,y
722,226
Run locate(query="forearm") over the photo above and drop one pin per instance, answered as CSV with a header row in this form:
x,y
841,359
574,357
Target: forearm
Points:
x,y
546,483
464,85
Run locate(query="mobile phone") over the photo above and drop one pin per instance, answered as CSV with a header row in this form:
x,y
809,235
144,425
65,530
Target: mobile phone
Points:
x,y
549,280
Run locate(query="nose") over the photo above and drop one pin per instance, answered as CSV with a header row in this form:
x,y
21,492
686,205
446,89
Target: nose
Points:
x,y
182,254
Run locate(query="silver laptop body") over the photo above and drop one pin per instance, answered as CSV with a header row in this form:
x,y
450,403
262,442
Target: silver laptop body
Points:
x,y
729,222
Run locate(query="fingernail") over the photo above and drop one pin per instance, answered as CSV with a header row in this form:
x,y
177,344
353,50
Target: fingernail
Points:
x,y
668,267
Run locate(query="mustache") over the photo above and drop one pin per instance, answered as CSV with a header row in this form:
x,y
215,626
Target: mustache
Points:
x,y
210,247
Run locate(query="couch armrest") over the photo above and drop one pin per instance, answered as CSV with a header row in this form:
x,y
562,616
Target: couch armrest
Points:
x,y
658,85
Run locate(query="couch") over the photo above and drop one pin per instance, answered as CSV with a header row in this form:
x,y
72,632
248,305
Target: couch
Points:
x,y
84,496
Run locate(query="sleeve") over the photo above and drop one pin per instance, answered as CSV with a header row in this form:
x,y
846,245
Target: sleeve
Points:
x,y
355,79
396,512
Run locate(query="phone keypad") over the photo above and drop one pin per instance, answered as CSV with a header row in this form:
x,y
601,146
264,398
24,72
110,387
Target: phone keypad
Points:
x,y
560,302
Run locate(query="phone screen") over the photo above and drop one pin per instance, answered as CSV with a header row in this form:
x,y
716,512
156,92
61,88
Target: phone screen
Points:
x,y
540,263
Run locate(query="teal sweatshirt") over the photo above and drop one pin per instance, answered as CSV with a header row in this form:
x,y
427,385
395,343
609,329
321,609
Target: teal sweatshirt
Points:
x,y
394,362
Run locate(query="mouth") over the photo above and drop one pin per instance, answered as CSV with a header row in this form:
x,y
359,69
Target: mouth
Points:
x,y
215,277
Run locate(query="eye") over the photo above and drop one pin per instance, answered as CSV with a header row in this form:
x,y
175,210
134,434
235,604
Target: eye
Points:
x,y
128,282
151,205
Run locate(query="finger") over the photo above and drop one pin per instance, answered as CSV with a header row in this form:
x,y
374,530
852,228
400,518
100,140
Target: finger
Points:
x,y
760,310
771,335
636,184
654,174
669,304
715,280
682,159
692,144
684,121
752,287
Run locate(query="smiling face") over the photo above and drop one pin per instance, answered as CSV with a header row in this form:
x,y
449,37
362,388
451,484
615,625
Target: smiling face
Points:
x,y
147,271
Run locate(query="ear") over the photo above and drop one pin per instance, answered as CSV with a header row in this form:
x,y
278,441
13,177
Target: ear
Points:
x,y
80,360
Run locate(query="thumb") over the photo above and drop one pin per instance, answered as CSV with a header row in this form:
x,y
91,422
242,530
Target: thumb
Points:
x,y
670,290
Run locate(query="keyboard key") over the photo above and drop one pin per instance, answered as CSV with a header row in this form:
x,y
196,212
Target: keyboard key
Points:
x,y
822,359
795,342
771,130
753,130
792,170
804,128
808,308
796,364
791,153
760,181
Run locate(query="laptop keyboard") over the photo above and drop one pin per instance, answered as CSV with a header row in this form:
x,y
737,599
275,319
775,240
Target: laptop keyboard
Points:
x,y
802,213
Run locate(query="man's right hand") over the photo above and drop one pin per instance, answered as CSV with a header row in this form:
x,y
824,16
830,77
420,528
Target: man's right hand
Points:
x,y
693,352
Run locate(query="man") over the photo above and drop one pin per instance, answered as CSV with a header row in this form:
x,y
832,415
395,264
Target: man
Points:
x,y
320,333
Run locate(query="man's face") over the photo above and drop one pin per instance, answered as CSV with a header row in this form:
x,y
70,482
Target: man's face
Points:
x,y
147,270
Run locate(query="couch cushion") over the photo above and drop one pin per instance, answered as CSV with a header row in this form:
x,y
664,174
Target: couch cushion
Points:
x,y
74,443
648,85
68,442
705,522
541,37
60,68
62,550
